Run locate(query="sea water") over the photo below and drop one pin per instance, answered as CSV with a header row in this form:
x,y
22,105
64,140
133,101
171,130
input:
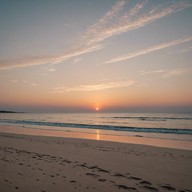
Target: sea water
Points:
x,y
147,125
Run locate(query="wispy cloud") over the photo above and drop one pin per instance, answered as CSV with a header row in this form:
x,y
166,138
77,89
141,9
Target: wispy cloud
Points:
x,y
183,50
34,84
133,19
168,72
116,21
77,60
143,72
15,81
176,72
49,68
49,59
150,49
94,87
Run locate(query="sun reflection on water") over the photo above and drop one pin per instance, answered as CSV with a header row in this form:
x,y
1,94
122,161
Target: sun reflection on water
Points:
x,y
98,134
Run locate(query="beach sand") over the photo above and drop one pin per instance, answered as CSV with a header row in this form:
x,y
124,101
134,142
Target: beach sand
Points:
x,y
49,164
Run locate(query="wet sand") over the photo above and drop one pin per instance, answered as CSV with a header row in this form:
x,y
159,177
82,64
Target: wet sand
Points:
x,y
49,164
96,135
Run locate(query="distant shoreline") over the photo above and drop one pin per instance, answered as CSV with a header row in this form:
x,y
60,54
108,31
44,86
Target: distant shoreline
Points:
x,y
2,111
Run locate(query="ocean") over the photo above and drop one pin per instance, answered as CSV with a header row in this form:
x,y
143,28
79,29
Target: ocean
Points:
x,y
164,126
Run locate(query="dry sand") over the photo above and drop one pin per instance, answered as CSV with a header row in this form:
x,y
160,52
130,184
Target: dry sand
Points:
x,y
48,164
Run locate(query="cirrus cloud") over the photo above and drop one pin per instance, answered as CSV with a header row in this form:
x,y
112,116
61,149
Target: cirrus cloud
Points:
x,y
150,49
94,87
116,21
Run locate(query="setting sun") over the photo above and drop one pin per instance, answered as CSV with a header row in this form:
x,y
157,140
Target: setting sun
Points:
x,y
95,89
95,68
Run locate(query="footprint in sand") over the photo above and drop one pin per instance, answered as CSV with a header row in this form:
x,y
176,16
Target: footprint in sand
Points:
x,y
145,182
135,178
168,187
102,180
126,188
92,175
72,181
153,189
119,175
102,170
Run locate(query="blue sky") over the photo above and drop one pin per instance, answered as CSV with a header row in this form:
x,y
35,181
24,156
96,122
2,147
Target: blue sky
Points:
x,y
80,55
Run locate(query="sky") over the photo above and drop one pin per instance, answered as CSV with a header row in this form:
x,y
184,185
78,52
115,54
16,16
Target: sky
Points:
x,y
79,56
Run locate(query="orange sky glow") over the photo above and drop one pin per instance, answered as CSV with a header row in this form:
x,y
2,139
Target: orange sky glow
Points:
x,y
123,56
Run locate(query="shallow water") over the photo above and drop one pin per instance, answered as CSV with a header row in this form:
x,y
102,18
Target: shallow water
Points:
x,y
177,127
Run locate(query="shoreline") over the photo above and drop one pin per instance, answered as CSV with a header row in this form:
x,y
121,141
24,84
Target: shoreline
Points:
x,y
96,135
41,163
